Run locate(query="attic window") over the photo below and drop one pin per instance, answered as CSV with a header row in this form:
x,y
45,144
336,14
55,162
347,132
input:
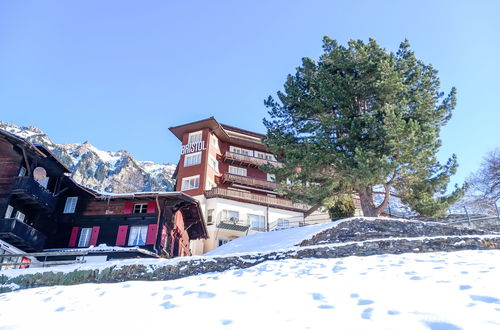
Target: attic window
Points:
x,y
140,208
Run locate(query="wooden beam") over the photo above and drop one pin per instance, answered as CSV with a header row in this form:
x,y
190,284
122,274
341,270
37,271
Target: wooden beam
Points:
x,y
28,167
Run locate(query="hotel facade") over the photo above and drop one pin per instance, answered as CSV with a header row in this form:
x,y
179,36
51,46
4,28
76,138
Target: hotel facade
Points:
x,y
220,166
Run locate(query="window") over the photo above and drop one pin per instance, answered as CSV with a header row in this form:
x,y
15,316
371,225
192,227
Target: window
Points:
x,y
264,155
257,222
192,159
137,235
84,240
195,137
210,184
222,241
140,208
233,216
210,216
70,205
271,177
191,182
214,141
22,171
212,162
238,170
20,216
282,224
241,151
8,212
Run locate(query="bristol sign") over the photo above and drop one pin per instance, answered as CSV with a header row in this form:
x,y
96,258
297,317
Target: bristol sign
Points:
x,y
192,147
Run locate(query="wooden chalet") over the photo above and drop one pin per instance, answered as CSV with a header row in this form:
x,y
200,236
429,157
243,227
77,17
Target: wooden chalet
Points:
x,y
42,208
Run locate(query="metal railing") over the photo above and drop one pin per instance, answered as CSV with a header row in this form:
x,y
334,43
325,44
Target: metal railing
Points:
x,y
44,256
256,198
248,181
249,160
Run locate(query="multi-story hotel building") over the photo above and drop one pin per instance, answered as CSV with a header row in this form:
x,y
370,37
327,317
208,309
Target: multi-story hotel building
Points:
x,y
220,167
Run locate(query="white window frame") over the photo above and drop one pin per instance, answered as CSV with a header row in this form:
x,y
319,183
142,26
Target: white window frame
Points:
x,y
221,241
70,205
233,218
241,151
137,235
264,155
192,159
213,163
84,240
195,137
214,140
8,211
191,182
140,207
210,184
271,177
241,171
210,216
20,216
261,222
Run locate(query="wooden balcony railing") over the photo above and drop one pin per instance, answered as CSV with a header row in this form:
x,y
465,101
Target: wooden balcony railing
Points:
x,y
239,159
33,193
248,181
276,202
21,235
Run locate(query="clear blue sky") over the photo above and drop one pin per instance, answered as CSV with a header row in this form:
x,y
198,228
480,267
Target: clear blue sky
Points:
x,y
119,73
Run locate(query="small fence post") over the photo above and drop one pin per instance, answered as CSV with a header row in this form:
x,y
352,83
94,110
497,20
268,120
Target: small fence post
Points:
x,y
468,217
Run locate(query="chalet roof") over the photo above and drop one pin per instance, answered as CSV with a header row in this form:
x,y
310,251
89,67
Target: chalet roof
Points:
x,y
49,159
224,132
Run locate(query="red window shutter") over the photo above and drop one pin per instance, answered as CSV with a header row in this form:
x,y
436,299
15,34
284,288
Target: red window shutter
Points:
x,y
121,238
128,208
72,238
152,233
95,234
151,207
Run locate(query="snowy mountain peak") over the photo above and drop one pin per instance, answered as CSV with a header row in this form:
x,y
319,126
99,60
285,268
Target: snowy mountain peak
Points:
x,y
109,171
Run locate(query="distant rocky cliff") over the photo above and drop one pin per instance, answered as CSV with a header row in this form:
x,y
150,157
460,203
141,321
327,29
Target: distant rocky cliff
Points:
x,y
107,171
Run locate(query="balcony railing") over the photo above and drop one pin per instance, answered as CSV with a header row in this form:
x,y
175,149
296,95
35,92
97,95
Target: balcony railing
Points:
x,y
239,159
21,235
33,193
276,202
248,181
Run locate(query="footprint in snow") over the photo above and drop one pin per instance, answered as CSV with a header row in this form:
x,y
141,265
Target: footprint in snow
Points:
x,y
200,294
338,269
354,295
102,293
486,299
226,322
367,314
126,285
410,273
169,288
168,305
416,278
47,299
465,287
441,326
167,296
60,309
317,296
239,292
392,312
326,307
154,294
365,302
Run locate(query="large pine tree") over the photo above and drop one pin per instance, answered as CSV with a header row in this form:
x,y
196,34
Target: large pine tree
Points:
x,y
358,118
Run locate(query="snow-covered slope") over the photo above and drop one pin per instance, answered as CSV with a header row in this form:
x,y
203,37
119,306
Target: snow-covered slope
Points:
x,y
410,291
108,171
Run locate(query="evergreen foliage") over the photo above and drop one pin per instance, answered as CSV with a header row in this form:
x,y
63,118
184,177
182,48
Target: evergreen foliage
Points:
x,y
361,117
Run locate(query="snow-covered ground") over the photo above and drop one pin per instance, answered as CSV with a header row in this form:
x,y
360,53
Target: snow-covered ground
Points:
x,y
456,290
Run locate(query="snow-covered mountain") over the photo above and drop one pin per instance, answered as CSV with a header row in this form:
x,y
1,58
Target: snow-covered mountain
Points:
x,y
107,171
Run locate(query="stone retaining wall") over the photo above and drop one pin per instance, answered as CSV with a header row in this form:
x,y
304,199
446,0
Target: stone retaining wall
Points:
x,y
195,266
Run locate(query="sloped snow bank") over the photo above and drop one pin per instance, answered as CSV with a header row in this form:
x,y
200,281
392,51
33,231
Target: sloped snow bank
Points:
x,y
456,290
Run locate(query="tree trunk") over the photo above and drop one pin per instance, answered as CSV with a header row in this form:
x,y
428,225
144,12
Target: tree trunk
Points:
x,y
367,205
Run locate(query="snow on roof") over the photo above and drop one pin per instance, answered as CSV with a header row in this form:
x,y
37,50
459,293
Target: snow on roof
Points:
x,y
274,240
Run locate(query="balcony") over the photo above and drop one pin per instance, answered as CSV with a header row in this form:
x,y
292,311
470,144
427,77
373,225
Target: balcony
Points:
x,y
244,160
247,197
247,181
21,235
31,192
